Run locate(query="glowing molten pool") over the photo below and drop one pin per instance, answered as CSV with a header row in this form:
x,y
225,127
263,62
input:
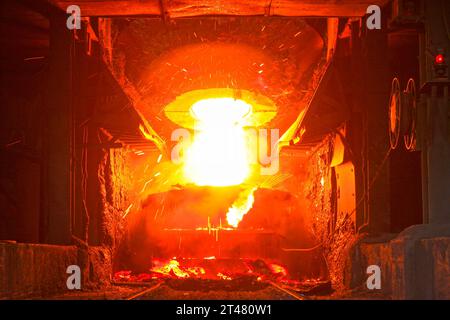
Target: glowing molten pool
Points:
x,y
218,155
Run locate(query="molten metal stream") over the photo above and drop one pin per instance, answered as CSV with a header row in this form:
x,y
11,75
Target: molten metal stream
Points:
x,y
240,207
218,155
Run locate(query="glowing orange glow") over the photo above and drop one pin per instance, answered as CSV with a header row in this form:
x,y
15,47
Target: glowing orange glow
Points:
x,y
172,267
223,277
277,269
218,155
179,111
200,269
196,271
240,207
218,110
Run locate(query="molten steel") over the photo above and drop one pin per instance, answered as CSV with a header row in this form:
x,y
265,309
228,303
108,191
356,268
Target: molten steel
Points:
x,y
278,270
218,155
240,207
209,268
172,267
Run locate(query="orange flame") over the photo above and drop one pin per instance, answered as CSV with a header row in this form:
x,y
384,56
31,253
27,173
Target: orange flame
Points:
x,y
185,269
172,267
240,207
278,270
218,155
196,271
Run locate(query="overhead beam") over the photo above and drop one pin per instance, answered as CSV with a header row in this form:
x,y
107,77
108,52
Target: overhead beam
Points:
x,y
191,8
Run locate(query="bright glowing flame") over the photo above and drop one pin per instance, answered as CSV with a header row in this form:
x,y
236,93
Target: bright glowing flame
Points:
x,y
196,269
220,110
278,270
171,267
240,207
218,155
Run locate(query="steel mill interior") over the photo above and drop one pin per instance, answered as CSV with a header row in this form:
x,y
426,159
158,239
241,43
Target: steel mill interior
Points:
x,y
177,149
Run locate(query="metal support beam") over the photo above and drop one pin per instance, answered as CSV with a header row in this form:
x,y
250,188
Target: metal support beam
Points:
x,y
375,102
191,8
437,147
57,166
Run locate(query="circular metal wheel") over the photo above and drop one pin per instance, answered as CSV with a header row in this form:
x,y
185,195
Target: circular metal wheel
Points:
x,y
395,109
409,116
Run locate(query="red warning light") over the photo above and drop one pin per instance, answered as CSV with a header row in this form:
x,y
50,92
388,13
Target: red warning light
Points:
x,y
439,59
